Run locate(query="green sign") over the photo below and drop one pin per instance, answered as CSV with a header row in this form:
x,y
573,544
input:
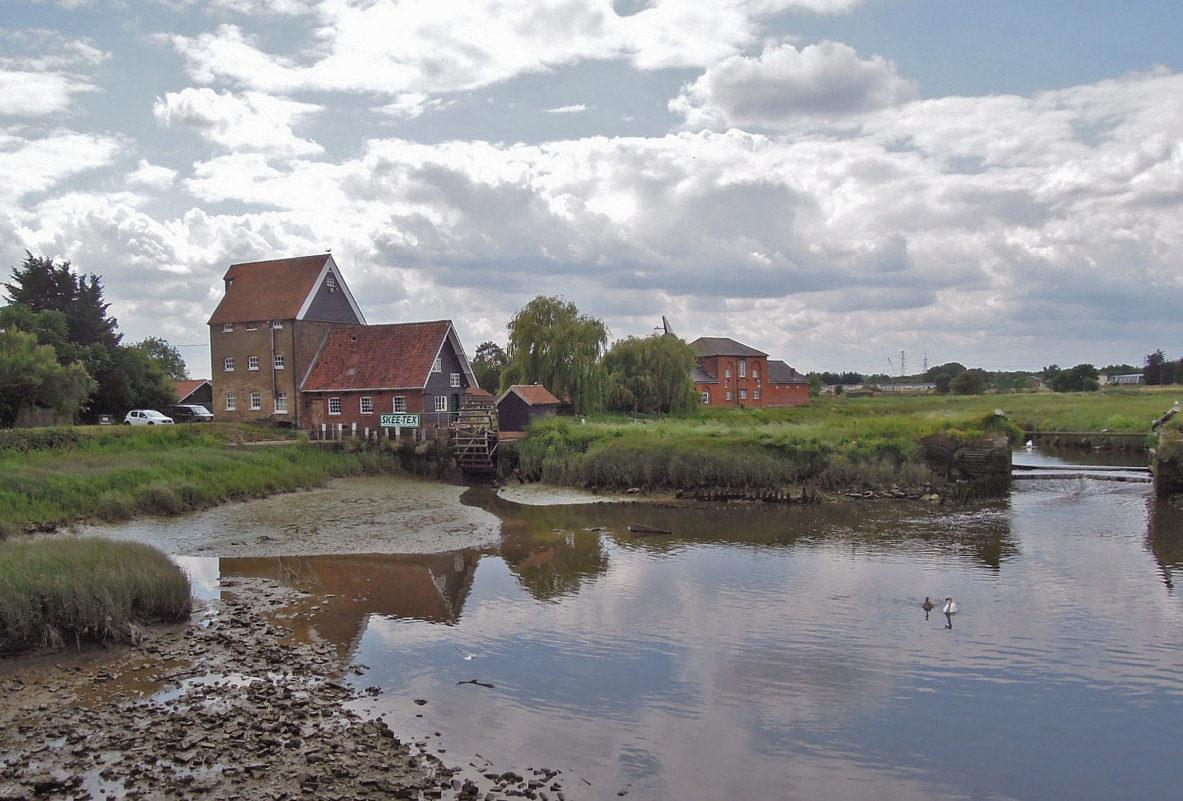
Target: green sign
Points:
x,y
400,421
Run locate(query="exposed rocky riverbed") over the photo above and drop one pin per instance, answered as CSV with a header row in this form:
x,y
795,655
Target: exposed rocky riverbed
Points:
x,y
226,707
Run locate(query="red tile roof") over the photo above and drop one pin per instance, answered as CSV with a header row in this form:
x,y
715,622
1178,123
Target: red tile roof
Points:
x,y
269,290
532,394
186,388
396,356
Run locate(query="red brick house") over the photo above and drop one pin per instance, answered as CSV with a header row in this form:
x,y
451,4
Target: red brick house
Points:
x,y
363,371
729,373
271,322
785,386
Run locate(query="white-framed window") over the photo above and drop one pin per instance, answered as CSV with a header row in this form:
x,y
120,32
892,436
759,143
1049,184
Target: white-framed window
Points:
x,y
252,327
331,282
367,405
454,380
727,373
756,374
755,394
399,406
334,406
228,365
231,403
256,401
277,362
252,362
438,367
441,403
227,328
743,394
706,397
729,396
281,402
277,324
743,368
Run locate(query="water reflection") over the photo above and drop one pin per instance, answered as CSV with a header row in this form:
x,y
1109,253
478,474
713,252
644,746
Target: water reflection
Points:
x,y
1164,538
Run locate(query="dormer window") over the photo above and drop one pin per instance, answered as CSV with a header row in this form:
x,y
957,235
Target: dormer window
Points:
x,y
227,328
438,367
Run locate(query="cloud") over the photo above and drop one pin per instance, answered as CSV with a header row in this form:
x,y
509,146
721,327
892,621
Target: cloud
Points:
x,y
41,164
786,88
253,122
42,72
577,108
152,176
391,48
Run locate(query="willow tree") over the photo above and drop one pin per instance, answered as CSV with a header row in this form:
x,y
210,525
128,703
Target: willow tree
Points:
x,y
552,344
651,374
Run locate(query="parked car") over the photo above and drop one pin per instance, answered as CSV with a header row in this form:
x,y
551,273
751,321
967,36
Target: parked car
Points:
x,y
190,413
146,417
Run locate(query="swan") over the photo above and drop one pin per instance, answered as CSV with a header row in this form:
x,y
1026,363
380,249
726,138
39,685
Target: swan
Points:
x,y
950,609
1029,446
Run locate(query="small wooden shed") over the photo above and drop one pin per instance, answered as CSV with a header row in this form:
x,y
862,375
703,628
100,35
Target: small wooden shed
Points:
x,y
522,404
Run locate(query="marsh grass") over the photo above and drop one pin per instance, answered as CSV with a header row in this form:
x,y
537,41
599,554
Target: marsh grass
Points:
x,y
68,591
834,444
116,473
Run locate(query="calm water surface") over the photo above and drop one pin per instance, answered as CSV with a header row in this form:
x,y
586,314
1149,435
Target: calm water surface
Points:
x,y
779,652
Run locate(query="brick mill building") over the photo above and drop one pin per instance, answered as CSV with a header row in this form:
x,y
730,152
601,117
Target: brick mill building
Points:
x,y
266,331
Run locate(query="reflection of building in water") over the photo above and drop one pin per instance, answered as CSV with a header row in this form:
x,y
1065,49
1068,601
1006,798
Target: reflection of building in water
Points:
x,y
430,587
1164,538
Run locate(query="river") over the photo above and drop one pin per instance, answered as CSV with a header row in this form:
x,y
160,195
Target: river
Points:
x,y
778,652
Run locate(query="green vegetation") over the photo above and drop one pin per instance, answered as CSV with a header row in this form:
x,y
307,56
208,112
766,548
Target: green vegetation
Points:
x,y
831,444
53,477
69,591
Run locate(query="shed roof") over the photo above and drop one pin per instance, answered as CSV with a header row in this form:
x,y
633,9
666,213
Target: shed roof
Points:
x,y
394,356
724,346
532,394
278,289
186,388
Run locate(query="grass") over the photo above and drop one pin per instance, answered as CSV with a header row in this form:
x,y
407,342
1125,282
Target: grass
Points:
x,y
834,443
54,477
65,591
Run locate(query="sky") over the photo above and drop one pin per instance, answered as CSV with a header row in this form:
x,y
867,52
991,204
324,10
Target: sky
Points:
x,y
867,185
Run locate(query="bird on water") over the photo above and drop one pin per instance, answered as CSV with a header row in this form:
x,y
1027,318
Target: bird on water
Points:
x,y
926,606
950,609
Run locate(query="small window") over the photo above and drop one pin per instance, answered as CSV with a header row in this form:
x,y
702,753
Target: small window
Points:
x,y
334,406
277,324
727,373
281,402
252,362
743,394
278,361
755,394
454,380
252,328
438,367
231,403
706,397
743,368
441,403
256,401
756,373
400,404
227,328
330,282
228,365
367,405
729,396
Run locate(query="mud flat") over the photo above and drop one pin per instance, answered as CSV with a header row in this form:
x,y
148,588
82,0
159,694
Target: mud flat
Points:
x,y
225,707
379,514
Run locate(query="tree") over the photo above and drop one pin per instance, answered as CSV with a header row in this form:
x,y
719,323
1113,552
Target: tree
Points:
x,y
34,388
951,369
42,285
943,382
651,374
487,365
165,357
552,344
972,382
1158,369
1081,378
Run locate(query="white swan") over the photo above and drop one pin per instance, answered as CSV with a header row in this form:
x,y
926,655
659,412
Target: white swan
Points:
x,y
950,607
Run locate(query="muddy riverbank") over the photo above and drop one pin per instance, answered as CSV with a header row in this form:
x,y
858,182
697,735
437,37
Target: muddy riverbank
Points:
x,y
224,707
